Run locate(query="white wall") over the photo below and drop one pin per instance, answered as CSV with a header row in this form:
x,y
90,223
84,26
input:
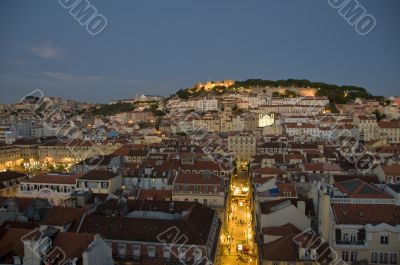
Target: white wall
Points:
x,y
289,214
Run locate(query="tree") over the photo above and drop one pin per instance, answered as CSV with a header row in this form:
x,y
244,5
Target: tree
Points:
x,y
331,108
183,93
112,109
379,116
290,93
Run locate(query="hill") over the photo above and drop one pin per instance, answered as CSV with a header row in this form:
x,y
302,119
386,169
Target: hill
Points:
x,y
336,94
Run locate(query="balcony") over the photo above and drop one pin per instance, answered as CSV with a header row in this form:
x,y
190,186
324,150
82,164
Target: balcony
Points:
x,y
350,244
347,242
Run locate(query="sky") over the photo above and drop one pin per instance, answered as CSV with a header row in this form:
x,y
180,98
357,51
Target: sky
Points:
x,y
158,46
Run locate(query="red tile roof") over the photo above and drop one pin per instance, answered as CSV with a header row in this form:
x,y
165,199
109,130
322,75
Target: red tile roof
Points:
x,y
287,188
391,170
159,195
73,244
196,178
54,179
322,167
10,174
356,188
268,170
366,213
287,248
61,216
267,206
11,242
195,225
280,230
389,124
371,179
98,175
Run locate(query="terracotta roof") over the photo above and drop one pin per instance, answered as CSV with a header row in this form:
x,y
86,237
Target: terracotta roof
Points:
x,y
260,180
204,165
322,167
159,195
366,213
289,157
389,124
11,243
73,244
268,170
356,188
61,216
280,230
281,249
391,170
10,174
98,175
371,179
267,206
122,151
197,178
287,247
54,179
284,188
195,225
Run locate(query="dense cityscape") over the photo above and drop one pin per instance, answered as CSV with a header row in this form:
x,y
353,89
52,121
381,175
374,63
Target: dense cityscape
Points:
x,y
225,172
199,132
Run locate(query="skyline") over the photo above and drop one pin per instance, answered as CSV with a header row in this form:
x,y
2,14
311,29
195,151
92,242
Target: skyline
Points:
x,y
159,51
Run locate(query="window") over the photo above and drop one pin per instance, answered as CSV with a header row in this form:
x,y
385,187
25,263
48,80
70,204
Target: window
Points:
x,y
345,255
166,253
182,254
121,250
151,251
393,258
136,251
385,239
353,256
383,258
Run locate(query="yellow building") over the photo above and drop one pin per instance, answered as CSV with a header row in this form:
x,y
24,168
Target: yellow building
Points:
x,y
242,144
10,157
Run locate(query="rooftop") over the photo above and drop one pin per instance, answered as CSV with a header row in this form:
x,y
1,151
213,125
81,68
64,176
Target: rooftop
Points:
x,y
98,175
366,214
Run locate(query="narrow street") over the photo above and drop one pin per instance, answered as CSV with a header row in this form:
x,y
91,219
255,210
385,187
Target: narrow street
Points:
x,y
237,238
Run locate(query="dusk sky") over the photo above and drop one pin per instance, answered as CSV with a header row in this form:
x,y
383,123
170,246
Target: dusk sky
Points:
x,y
158,47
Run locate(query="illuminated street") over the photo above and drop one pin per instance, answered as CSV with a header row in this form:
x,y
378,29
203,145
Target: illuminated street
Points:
x,y
237,239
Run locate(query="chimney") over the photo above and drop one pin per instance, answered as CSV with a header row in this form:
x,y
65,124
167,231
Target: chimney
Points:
x,y
301,205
